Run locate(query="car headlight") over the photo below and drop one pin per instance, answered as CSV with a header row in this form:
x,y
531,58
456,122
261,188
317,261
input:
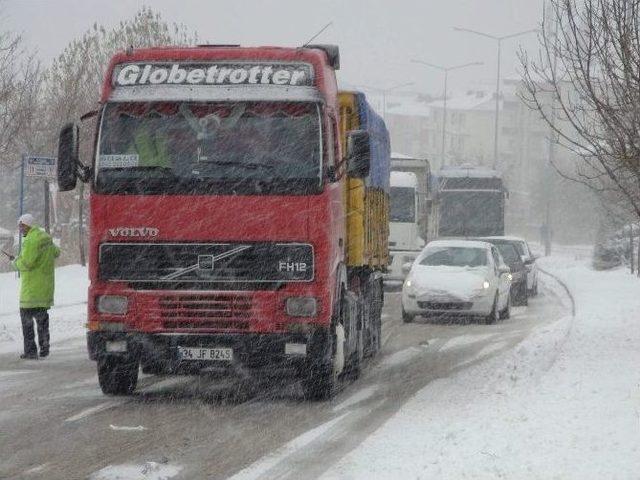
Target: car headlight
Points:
x,y
509,276
486,284
113,304
301,306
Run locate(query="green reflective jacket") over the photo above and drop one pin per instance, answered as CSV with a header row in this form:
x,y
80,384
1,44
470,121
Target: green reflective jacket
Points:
x,y
36,266
151,148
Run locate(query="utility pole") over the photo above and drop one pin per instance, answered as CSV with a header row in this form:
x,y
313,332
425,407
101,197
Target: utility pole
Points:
x,y
498,39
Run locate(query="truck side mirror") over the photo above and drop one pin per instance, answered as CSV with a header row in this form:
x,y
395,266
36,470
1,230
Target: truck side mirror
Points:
x,y
68,145
358,154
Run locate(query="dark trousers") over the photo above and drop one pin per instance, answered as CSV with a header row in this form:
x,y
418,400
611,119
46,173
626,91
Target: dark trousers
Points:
x,y
41,316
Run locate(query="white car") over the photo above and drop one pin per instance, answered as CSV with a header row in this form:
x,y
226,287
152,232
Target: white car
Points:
x,y
394,278
458,277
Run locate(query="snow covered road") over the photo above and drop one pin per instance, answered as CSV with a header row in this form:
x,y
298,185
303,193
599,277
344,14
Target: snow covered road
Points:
x,y
55,423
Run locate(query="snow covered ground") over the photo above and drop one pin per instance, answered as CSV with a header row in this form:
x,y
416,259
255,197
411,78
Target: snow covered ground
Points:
x,y
67,317
563,404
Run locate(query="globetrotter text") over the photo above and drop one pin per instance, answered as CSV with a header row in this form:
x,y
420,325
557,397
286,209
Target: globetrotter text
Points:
x,y
212,74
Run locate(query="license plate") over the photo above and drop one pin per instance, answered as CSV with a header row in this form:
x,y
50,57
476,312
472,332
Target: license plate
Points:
x,y
206,353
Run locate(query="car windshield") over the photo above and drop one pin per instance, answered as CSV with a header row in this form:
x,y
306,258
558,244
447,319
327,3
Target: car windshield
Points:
x,y
454,257
509,253
188,148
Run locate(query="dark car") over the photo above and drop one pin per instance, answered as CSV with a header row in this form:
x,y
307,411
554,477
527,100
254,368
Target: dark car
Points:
x,y
519,291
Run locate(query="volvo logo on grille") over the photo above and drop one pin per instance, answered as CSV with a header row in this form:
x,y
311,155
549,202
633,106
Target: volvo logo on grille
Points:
x,y
205,262
134,232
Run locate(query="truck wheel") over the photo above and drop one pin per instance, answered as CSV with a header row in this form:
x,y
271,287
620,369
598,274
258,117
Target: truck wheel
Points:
x,y
354,368
373,310
321,379
407,317
117,376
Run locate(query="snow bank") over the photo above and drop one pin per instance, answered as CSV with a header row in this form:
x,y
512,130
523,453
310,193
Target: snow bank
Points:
x,y
563,404
67,317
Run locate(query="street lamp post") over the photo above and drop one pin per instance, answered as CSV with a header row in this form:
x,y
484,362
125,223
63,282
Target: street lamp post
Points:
x,y
446,71
499,40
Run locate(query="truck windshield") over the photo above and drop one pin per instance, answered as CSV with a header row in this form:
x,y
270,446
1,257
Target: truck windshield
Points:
x,y
471,213
209,148
403,205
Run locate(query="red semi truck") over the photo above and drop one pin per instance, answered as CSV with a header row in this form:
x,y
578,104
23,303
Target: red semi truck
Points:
x,y
221,184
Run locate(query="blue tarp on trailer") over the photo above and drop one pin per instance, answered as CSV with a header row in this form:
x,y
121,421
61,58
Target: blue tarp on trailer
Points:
x,y
380,144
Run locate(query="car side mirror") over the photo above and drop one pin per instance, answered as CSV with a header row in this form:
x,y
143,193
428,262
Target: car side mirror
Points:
x,y
406,268
502,269
358,154
68,144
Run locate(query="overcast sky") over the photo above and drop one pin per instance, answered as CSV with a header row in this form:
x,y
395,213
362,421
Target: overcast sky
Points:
x,y
377,38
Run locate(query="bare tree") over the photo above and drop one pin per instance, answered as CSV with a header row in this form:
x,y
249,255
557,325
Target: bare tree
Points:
x,y
20,77
586,85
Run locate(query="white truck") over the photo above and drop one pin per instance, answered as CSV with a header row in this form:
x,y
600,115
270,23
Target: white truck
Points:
x,y
408,215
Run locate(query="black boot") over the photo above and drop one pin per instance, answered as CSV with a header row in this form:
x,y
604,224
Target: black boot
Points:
x,y
29,356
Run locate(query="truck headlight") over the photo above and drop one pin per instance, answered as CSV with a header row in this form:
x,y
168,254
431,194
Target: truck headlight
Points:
x,y
113,304
301,306
486,284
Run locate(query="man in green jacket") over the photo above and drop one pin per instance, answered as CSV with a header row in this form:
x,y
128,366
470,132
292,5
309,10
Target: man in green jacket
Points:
x,y
36,266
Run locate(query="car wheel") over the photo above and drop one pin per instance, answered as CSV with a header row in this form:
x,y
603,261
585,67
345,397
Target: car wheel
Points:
x,y
524,295
506,313
493,315
407,317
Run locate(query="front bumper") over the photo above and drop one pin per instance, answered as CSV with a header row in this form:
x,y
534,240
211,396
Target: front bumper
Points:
x,y
264,353
450,306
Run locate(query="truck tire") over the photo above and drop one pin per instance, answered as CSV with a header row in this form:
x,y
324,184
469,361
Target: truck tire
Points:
x,y
321,378
373,309
117,376
320,381
354,367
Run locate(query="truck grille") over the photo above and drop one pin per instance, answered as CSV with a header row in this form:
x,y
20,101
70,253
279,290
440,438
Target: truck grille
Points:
x,y
226,312
166,264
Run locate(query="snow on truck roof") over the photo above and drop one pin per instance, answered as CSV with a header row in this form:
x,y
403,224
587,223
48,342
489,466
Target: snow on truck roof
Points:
x,y
460,243
404,179
462,171
400,155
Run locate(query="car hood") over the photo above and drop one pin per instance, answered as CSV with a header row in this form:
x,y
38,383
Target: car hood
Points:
x,y
447,282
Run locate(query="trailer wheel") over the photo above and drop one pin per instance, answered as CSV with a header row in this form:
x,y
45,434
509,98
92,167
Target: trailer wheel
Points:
x,y
117,376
